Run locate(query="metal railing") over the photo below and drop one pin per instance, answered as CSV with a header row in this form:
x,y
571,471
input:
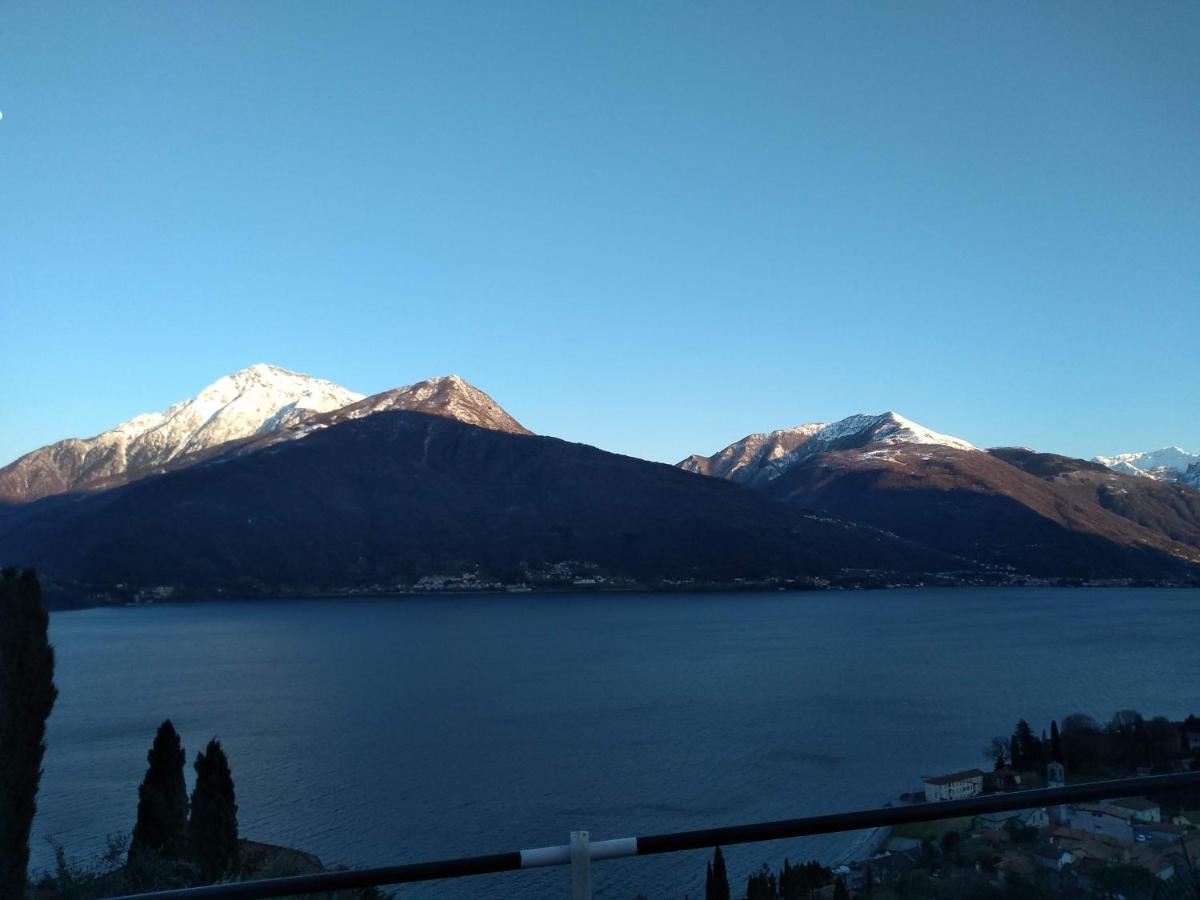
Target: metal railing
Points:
x,y
581,852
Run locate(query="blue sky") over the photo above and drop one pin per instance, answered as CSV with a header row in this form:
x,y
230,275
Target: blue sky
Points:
x,y
649,227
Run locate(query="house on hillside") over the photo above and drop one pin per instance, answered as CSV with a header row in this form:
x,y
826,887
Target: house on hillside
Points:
x,y
1050,857
955,786
1139,808
1095,818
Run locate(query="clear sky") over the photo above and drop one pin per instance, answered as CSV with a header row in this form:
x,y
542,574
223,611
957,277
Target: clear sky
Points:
x,y
653,227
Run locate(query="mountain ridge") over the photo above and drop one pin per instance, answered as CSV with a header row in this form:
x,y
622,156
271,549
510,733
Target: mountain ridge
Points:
x,y
377,503
252,407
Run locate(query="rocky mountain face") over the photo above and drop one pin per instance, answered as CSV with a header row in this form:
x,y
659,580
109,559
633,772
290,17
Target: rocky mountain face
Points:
x,y
253,408
273,483
449,396
760,458
256,400
1012,510
1168,464
380,501
743,460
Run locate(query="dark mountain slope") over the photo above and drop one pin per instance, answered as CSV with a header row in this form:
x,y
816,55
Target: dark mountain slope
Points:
x,y
983,507
385,499
1167,508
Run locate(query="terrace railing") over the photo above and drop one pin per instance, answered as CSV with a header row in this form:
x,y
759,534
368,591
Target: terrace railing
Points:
x,y
581,851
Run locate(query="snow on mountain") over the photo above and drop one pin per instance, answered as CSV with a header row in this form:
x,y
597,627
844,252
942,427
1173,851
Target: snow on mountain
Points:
x,y
1167,464
255,400
742,460
760,457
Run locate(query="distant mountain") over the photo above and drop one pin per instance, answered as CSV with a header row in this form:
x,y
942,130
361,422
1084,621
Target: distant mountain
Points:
x,y
253,408
253,401
743,460
380,501
1167,464
1030,513
759,458
448,396
1169,509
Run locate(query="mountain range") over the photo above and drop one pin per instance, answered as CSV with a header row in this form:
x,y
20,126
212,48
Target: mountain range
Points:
x,y
272,483
1167,464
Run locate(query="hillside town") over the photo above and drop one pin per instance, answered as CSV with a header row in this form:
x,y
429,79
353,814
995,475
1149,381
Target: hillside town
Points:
x,y
1128,847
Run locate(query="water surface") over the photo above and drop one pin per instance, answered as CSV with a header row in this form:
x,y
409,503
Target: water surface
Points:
x,y
387,731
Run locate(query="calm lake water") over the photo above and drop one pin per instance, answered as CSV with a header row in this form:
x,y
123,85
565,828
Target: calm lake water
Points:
x,y
387,731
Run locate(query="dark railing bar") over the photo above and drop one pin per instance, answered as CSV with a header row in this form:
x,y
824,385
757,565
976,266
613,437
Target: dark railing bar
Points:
x,y
677,841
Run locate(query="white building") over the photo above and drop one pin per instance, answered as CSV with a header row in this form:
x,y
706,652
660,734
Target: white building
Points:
x,y
956,786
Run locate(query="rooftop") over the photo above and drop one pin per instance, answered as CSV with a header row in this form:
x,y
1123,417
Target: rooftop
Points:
x,y
956,776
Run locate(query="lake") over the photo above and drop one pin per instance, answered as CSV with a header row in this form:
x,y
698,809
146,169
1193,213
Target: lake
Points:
x,y
376,732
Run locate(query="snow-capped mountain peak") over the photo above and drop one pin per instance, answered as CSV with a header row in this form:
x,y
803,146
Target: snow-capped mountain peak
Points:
x,y
760,457
1168,464
890,428
1153,463
743,459
260,398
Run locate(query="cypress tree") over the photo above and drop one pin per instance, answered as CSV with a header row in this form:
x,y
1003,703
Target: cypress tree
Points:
x,y
840,891
27,695
162,814
213,826
717,884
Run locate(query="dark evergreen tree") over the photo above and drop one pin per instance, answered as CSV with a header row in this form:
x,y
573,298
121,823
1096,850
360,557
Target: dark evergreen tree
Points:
x,y
840,891
761,886
716,887
213,827
1027,753
162,814
27,695
1055,743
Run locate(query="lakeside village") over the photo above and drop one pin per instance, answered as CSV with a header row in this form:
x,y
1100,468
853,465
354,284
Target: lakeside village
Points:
x,y
1129,848
585,577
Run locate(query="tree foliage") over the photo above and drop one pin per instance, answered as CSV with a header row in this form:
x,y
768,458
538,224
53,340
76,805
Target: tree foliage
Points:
x,y
213,826
162,813
27,695
762,885
716,885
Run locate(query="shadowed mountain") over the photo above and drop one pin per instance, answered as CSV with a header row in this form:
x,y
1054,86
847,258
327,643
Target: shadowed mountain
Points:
x,y
1036,514
1168,508
376,502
